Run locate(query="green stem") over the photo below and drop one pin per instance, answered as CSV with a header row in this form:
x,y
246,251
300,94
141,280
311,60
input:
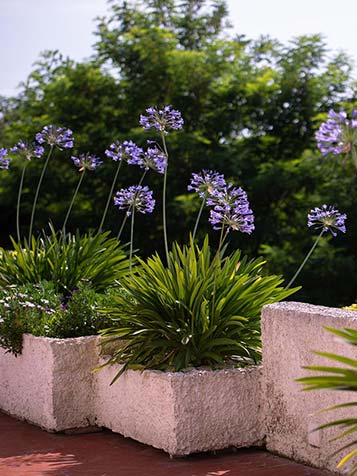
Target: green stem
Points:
x,y
122,226
354,156
72,202
305,260
19,201
164,200
38,191
130,209
109,197
198,219
131,241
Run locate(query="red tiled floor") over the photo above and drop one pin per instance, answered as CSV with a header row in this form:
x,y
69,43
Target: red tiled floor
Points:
x,y
26,450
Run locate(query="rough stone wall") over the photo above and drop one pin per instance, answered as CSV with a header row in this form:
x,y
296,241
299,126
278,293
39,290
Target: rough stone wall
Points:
x,y
138,405
217,409
50,384
183,412
26,382
291,332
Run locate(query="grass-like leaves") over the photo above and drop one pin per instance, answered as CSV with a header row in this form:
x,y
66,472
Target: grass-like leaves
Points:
x,y
200,310
65,260
338,378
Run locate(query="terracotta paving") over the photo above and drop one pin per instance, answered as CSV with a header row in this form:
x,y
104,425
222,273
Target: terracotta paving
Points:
x,y
26,450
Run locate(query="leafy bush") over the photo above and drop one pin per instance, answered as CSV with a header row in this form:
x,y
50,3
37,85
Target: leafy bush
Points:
x,y
38,309
338,378
200,310
65,260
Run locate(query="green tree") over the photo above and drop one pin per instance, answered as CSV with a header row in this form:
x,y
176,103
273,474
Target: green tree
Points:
x,y
251,109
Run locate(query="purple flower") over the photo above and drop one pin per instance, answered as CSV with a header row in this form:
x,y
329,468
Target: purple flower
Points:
x,y
206,182
338,134
161,119
126,150
135,197
27,150
86,162
4,160
155,159
327,218
56,136
231,209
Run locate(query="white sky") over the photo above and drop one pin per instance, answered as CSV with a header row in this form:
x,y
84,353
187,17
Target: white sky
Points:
x,y
30,26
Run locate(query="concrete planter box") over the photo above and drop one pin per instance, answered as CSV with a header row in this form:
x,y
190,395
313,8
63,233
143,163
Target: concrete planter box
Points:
x,y
291,331
50,384
183,412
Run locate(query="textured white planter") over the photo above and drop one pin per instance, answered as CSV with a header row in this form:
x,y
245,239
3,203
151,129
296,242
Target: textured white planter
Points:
x,y
50,384
291,331
183,412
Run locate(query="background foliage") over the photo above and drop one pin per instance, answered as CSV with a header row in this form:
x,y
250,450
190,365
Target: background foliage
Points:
x,y
251,109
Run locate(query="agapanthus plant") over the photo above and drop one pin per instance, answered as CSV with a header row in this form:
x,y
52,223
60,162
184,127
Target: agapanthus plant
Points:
x,y
326,219
163,120
134,198
338,135
205,183
58,137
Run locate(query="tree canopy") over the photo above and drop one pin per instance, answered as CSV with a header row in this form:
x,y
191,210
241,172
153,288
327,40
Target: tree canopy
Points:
x,y
251,110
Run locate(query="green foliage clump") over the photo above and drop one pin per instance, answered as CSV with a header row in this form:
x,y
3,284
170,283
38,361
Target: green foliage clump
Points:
x,y
39,310
198,310
65,260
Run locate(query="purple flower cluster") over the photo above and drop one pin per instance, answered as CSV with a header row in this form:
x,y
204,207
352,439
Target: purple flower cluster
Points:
x,y
161,119
127,151
86,162
155,159
231,209
27,150
327,218
4,160
135,197
56,136
338,134
206,182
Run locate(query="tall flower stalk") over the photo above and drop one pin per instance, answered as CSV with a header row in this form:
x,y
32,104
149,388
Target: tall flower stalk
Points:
x,y
163,120
19,193
38,191
109,199
326,218
55,137
83,162
164,211
26,151
127,151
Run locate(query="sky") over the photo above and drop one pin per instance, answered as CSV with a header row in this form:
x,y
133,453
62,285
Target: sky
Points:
x,y
28,27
